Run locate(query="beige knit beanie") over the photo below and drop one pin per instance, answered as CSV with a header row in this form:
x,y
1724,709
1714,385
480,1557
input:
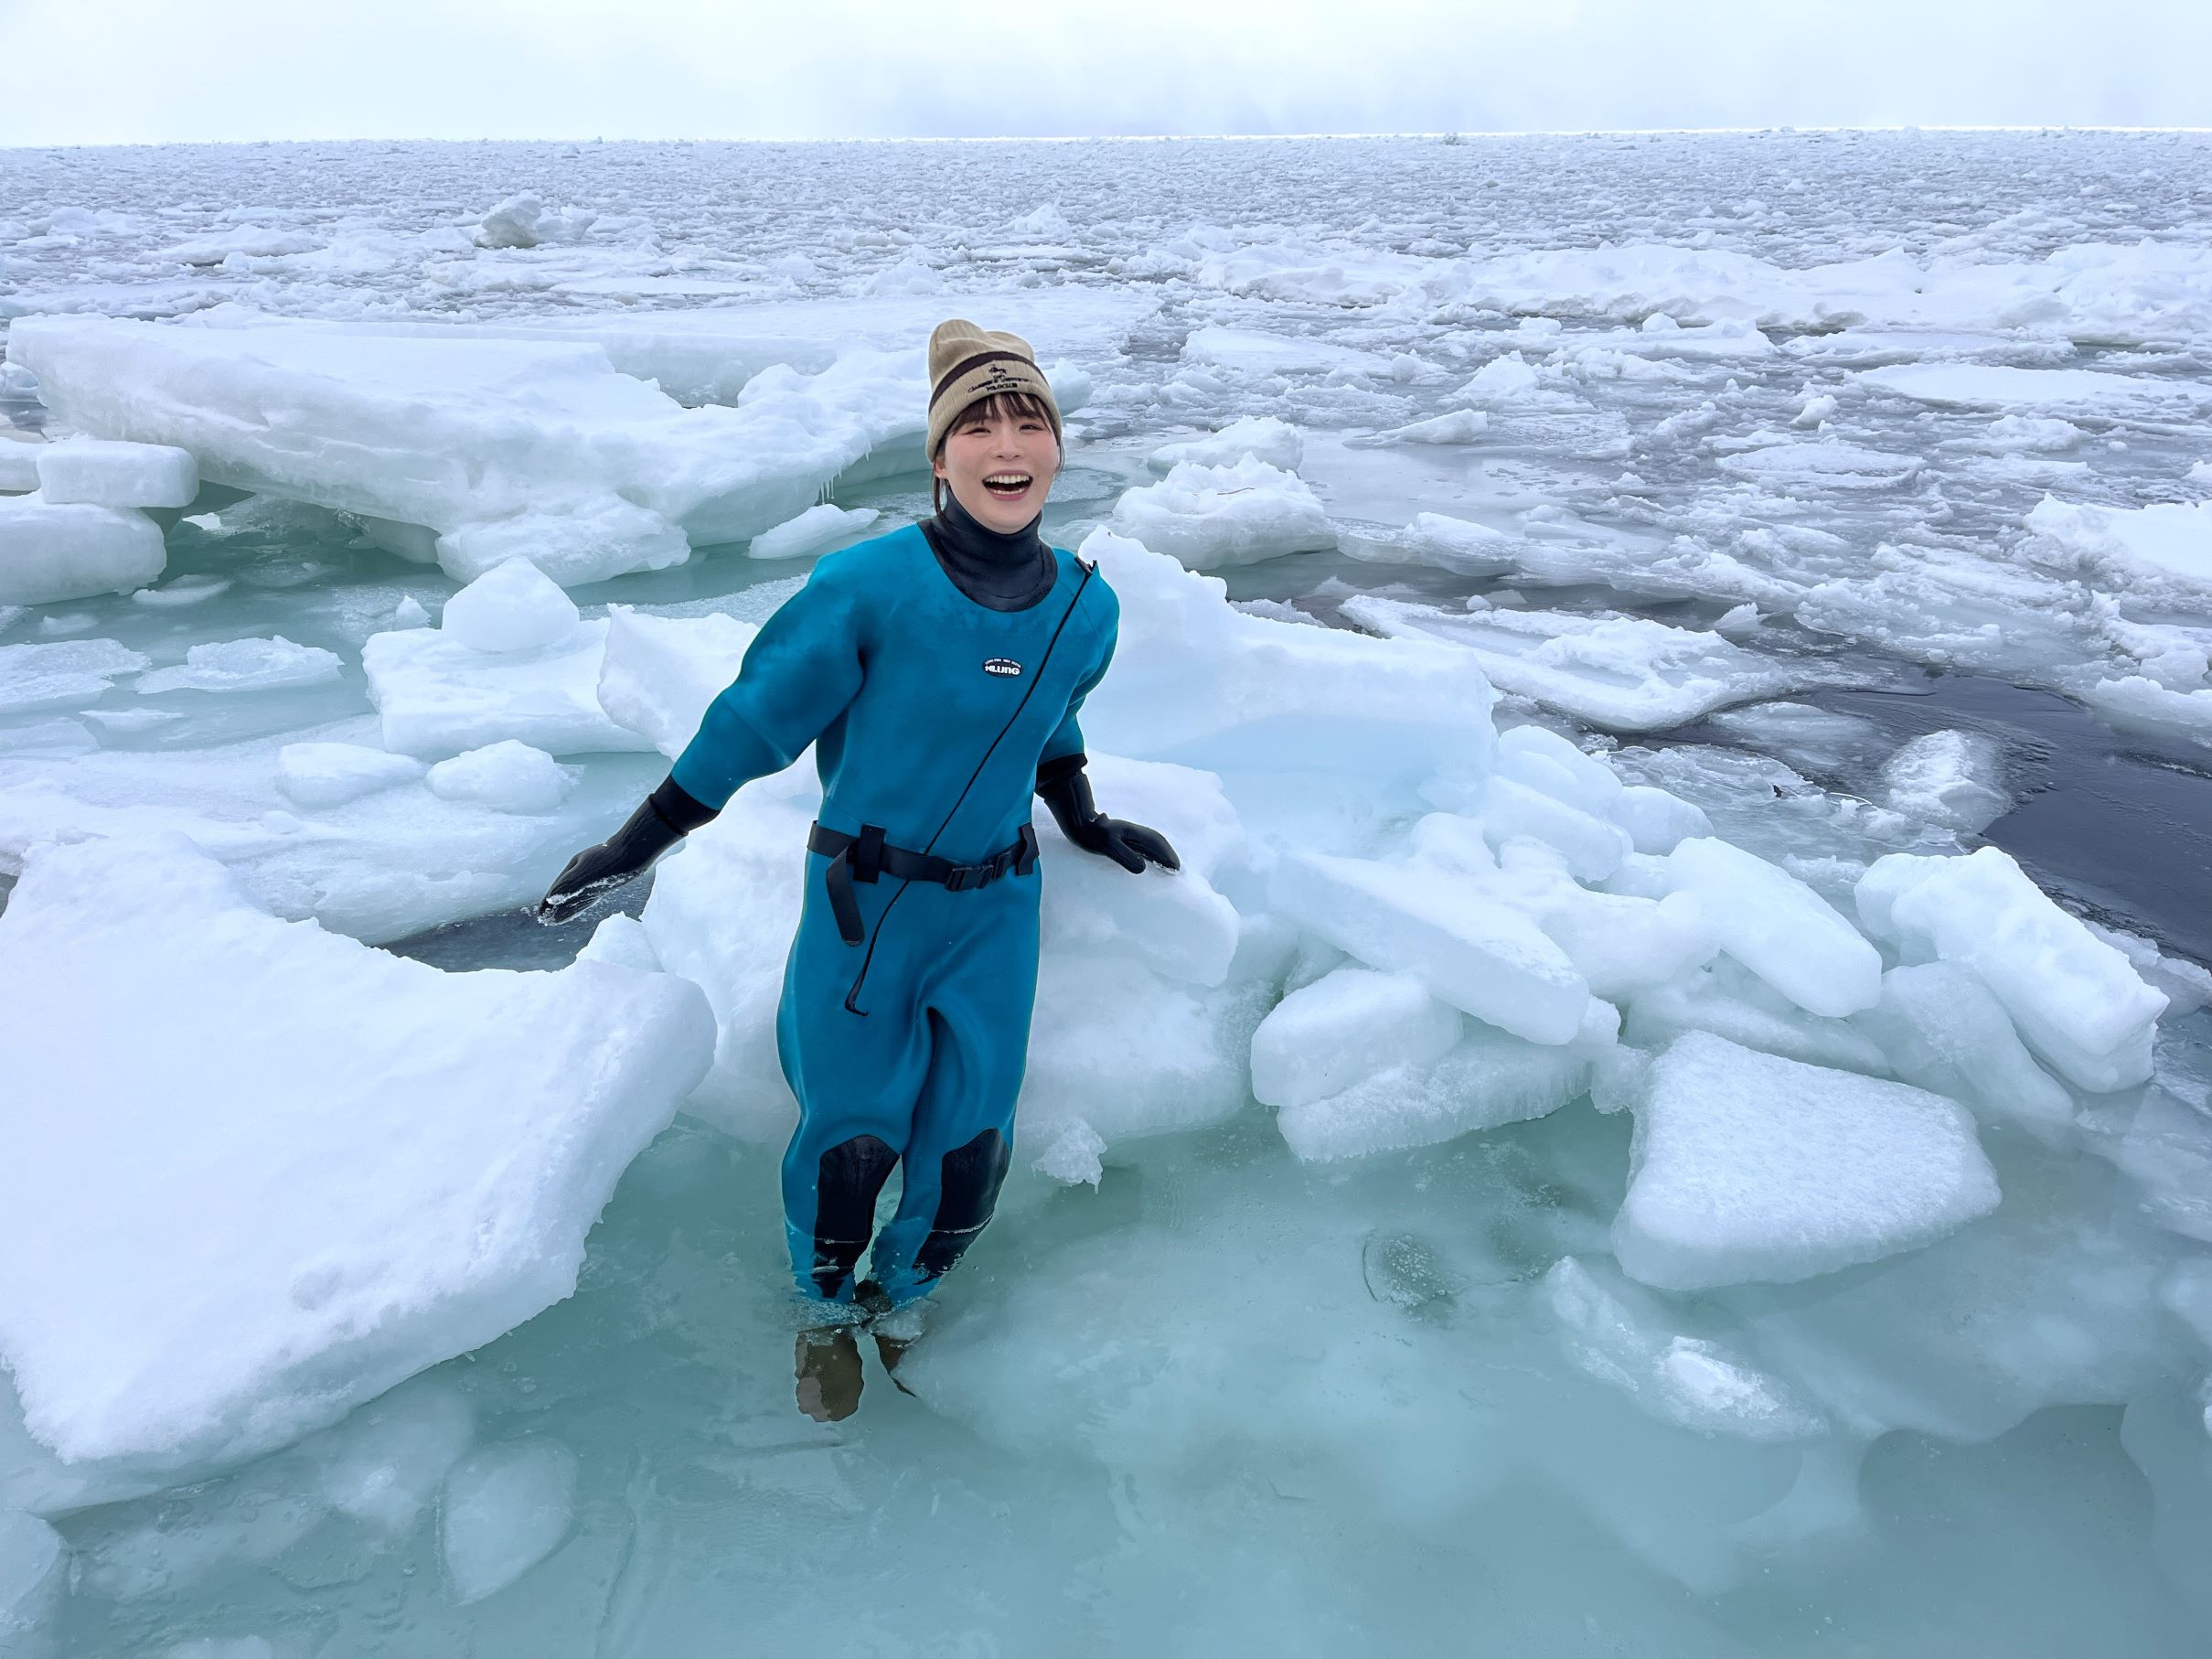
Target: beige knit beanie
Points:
x,y
967,364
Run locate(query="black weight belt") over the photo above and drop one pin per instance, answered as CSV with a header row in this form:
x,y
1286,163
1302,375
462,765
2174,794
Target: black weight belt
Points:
x,y
866,857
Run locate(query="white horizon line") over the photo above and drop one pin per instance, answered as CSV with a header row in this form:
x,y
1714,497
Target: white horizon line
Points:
x,y
1459,132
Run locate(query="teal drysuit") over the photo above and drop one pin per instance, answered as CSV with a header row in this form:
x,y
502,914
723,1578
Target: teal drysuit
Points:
x,y
930,714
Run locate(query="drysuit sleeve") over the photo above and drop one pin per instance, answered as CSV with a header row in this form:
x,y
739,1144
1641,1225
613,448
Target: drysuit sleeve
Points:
x,y
800,671
1067,737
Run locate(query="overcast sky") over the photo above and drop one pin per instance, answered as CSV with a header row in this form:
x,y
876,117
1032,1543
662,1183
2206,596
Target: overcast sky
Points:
x,y
104,71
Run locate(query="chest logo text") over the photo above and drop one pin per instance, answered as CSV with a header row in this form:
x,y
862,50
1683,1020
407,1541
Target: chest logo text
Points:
x,y
1001,665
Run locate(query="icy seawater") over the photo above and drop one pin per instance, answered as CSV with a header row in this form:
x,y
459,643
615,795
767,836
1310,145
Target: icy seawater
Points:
x,y
1668,1111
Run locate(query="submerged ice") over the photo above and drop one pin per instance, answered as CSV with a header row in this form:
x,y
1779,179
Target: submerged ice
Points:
x,y
1593,1116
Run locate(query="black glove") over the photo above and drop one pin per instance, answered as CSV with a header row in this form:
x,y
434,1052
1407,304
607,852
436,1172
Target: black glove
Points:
x,y
1061,786
662,818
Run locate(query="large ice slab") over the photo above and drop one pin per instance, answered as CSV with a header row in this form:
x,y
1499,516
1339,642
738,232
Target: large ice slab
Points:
x,y
1619,674
1271,706
2164,549
1748,1166
2002,386
2077,1001
265,1208
533,448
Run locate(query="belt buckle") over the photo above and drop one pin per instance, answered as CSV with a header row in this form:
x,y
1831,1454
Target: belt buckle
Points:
x,y
961,877
1025,855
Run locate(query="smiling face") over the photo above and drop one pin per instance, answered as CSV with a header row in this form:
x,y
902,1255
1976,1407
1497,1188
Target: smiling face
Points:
x,y
1000,460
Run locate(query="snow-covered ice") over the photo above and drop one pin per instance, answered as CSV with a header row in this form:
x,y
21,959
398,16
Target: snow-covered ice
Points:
x,y
303,1206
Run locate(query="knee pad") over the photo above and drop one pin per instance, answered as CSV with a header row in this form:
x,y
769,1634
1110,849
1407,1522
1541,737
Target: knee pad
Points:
x,y
845,1184
966,1194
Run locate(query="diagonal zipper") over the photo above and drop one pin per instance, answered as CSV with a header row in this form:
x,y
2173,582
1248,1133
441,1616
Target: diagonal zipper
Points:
x,y
1029,692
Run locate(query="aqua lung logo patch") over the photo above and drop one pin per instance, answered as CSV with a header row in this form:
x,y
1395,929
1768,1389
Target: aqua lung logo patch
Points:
x,y
1004,666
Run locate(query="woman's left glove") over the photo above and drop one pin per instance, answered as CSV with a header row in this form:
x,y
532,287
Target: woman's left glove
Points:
x,y
1063,788
662,818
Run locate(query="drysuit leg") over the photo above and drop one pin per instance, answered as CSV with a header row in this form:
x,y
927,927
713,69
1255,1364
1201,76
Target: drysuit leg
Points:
x,y
962,1141
855,1079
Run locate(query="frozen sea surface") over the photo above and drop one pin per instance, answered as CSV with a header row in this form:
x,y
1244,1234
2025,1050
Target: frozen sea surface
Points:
x,y
1840,486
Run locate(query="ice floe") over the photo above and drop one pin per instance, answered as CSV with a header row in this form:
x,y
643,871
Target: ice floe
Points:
x,y
1749,1166
1619,673
428,1188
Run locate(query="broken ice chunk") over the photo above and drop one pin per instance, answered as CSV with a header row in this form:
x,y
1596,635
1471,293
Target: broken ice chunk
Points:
x,y
504,1509
437,696
660,673
1488,1079
1073,1158
1470,949
1211,516
1656,821
1325,1037
1748,1166
245,665
811,532
107,473
1618,673
513,606
49,552
64,672
1952,778
1621,1335
323,774
2077,1001
1265,437
506,777
1779,927
1944,1031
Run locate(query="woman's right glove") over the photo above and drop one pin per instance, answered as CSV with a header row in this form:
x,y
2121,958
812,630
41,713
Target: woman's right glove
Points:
x,y
662,818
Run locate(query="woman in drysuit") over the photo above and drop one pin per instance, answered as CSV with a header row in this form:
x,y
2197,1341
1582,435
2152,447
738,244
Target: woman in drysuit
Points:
x,y
938,671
